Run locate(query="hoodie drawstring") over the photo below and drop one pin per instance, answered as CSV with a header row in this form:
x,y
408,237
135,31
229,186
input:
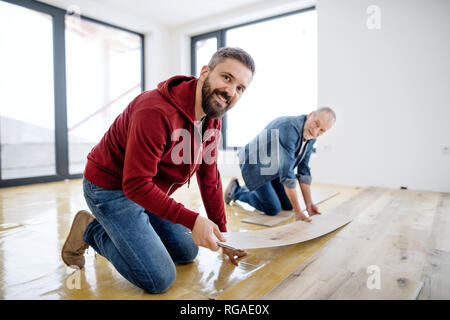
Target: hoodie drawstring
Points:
x,y
217,177
201,150
217,159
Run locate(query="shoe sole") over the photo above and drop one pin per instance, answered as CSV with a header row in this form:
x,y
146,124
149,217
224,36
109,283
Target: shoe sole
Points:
x,y
228,197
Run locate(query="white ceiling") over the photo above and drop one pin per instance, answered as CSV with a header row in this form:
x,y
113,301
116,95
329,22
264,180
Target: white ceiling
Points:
x,y
176,12
167,13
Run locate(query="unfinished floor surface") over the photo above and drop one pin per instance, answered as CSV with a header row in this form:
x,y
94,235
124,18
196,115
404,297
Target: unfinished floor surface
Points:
x,y
35,220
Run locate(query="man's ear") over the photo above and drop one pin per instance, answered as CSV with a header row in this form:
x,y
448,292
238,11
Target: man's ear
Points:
x,y
310,115
203,73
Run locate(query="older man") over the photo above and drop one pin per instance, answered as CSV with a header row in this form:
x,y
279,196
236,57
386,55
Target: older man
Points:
x,y
267,164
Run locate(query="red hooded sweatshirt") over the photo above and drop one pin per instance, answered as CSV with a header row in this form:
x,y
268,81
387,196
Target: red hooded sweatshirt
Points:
x,y
135,154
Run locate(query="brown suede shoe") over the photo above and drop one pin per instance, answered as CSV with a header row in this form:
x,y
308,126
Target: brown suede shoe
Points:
x,y
228,194
72,252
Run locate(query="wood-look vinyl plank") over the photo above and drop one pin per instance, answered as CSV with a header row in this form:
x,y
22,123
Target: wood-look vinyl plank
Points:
x,y
436,276
388,235
300,231
259,218
435,273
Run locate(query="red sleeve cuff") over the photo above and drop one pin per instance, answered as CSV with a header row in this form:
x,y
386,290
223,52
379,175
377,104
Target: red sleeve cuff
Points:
x,y
187,218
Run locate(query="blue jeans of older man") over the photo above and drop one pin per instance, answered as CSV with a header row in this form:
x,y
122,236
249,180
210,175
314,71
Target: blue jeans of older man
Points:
x,y
270,198
141,246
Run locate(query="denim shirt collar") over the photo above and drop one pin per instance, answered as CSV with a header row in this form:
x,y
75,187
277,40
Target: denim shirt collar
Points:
x,y
300,125
256,173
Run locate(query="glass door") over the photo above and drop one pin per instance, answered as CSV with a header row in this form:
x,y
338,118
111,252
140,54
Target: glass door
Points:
x,y
63,80
27,107
103,76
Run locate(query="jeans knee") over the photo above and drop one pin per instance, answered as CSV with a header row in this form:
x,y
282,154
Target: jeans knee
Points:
x,y
160,282
272,210
287,207
187,255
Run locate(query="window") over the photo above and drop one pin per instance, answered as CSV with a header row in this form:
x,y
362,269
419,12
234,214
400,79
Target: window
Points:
x,y
204,50
103,76
61,86
285,52
26,84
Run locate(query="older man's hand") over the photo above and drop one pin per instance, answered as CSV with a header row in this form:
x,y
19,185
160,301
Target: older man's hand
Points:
x,y
312,209
300,216
234,254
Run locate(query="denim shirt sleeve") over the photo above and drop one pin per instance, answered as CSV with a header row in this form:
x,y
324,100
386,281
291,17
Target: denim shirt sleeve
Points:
x,y
303,169
288,140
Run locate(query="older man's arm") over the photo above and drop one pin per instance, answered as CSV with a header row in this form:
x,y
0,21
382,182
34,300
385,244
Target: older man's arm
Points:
x,y
304,180
310,206
293,198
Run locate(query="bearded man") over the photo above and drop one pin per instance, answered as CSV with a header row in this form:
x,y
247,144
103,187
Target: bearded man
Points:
x,y
133,170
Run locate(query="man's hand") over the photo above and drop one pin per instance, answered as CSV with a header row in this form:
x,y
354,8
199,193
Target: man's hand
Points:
x,y
299,215
312,209
232,253
205,232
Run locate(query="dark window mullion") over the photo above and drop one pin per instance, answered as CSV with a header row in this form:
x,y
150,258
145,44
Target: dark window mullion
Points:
x,y
222,42
194,40
142,62
59,63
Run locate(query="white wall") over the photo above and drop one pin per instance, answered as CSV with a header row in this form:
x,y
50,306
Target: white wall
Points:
x,y
391,91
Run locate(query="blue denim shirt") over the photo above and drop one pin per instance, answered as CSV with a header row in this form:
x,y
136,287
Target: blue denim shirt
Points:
x,y
275,153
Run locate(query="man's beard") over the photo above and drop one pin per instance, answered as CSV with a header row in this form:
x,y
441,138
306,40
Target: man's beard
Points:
x,y
210,105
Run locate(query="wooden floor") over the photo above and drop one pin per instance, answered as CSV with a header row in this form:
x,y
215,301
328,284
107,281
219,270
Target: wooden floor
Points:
x,y
393,249
35,220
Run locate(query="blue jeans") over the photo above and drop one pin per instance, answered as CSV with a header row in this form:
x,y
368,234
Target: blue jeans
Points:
x,y
142,247
270,198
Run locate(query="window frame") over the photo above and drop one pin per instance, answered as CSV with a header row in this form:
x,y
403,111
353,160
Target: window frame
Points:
x,y
220,34
60,93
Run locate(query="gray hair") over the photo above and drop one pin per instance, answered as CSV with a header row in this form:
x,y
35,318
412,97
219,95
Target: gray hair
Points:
x,y
232,53
328,110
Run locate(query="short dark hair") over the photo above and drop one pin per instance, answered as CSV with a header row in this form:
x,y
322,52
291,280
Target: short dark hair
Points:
x,y
232,53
